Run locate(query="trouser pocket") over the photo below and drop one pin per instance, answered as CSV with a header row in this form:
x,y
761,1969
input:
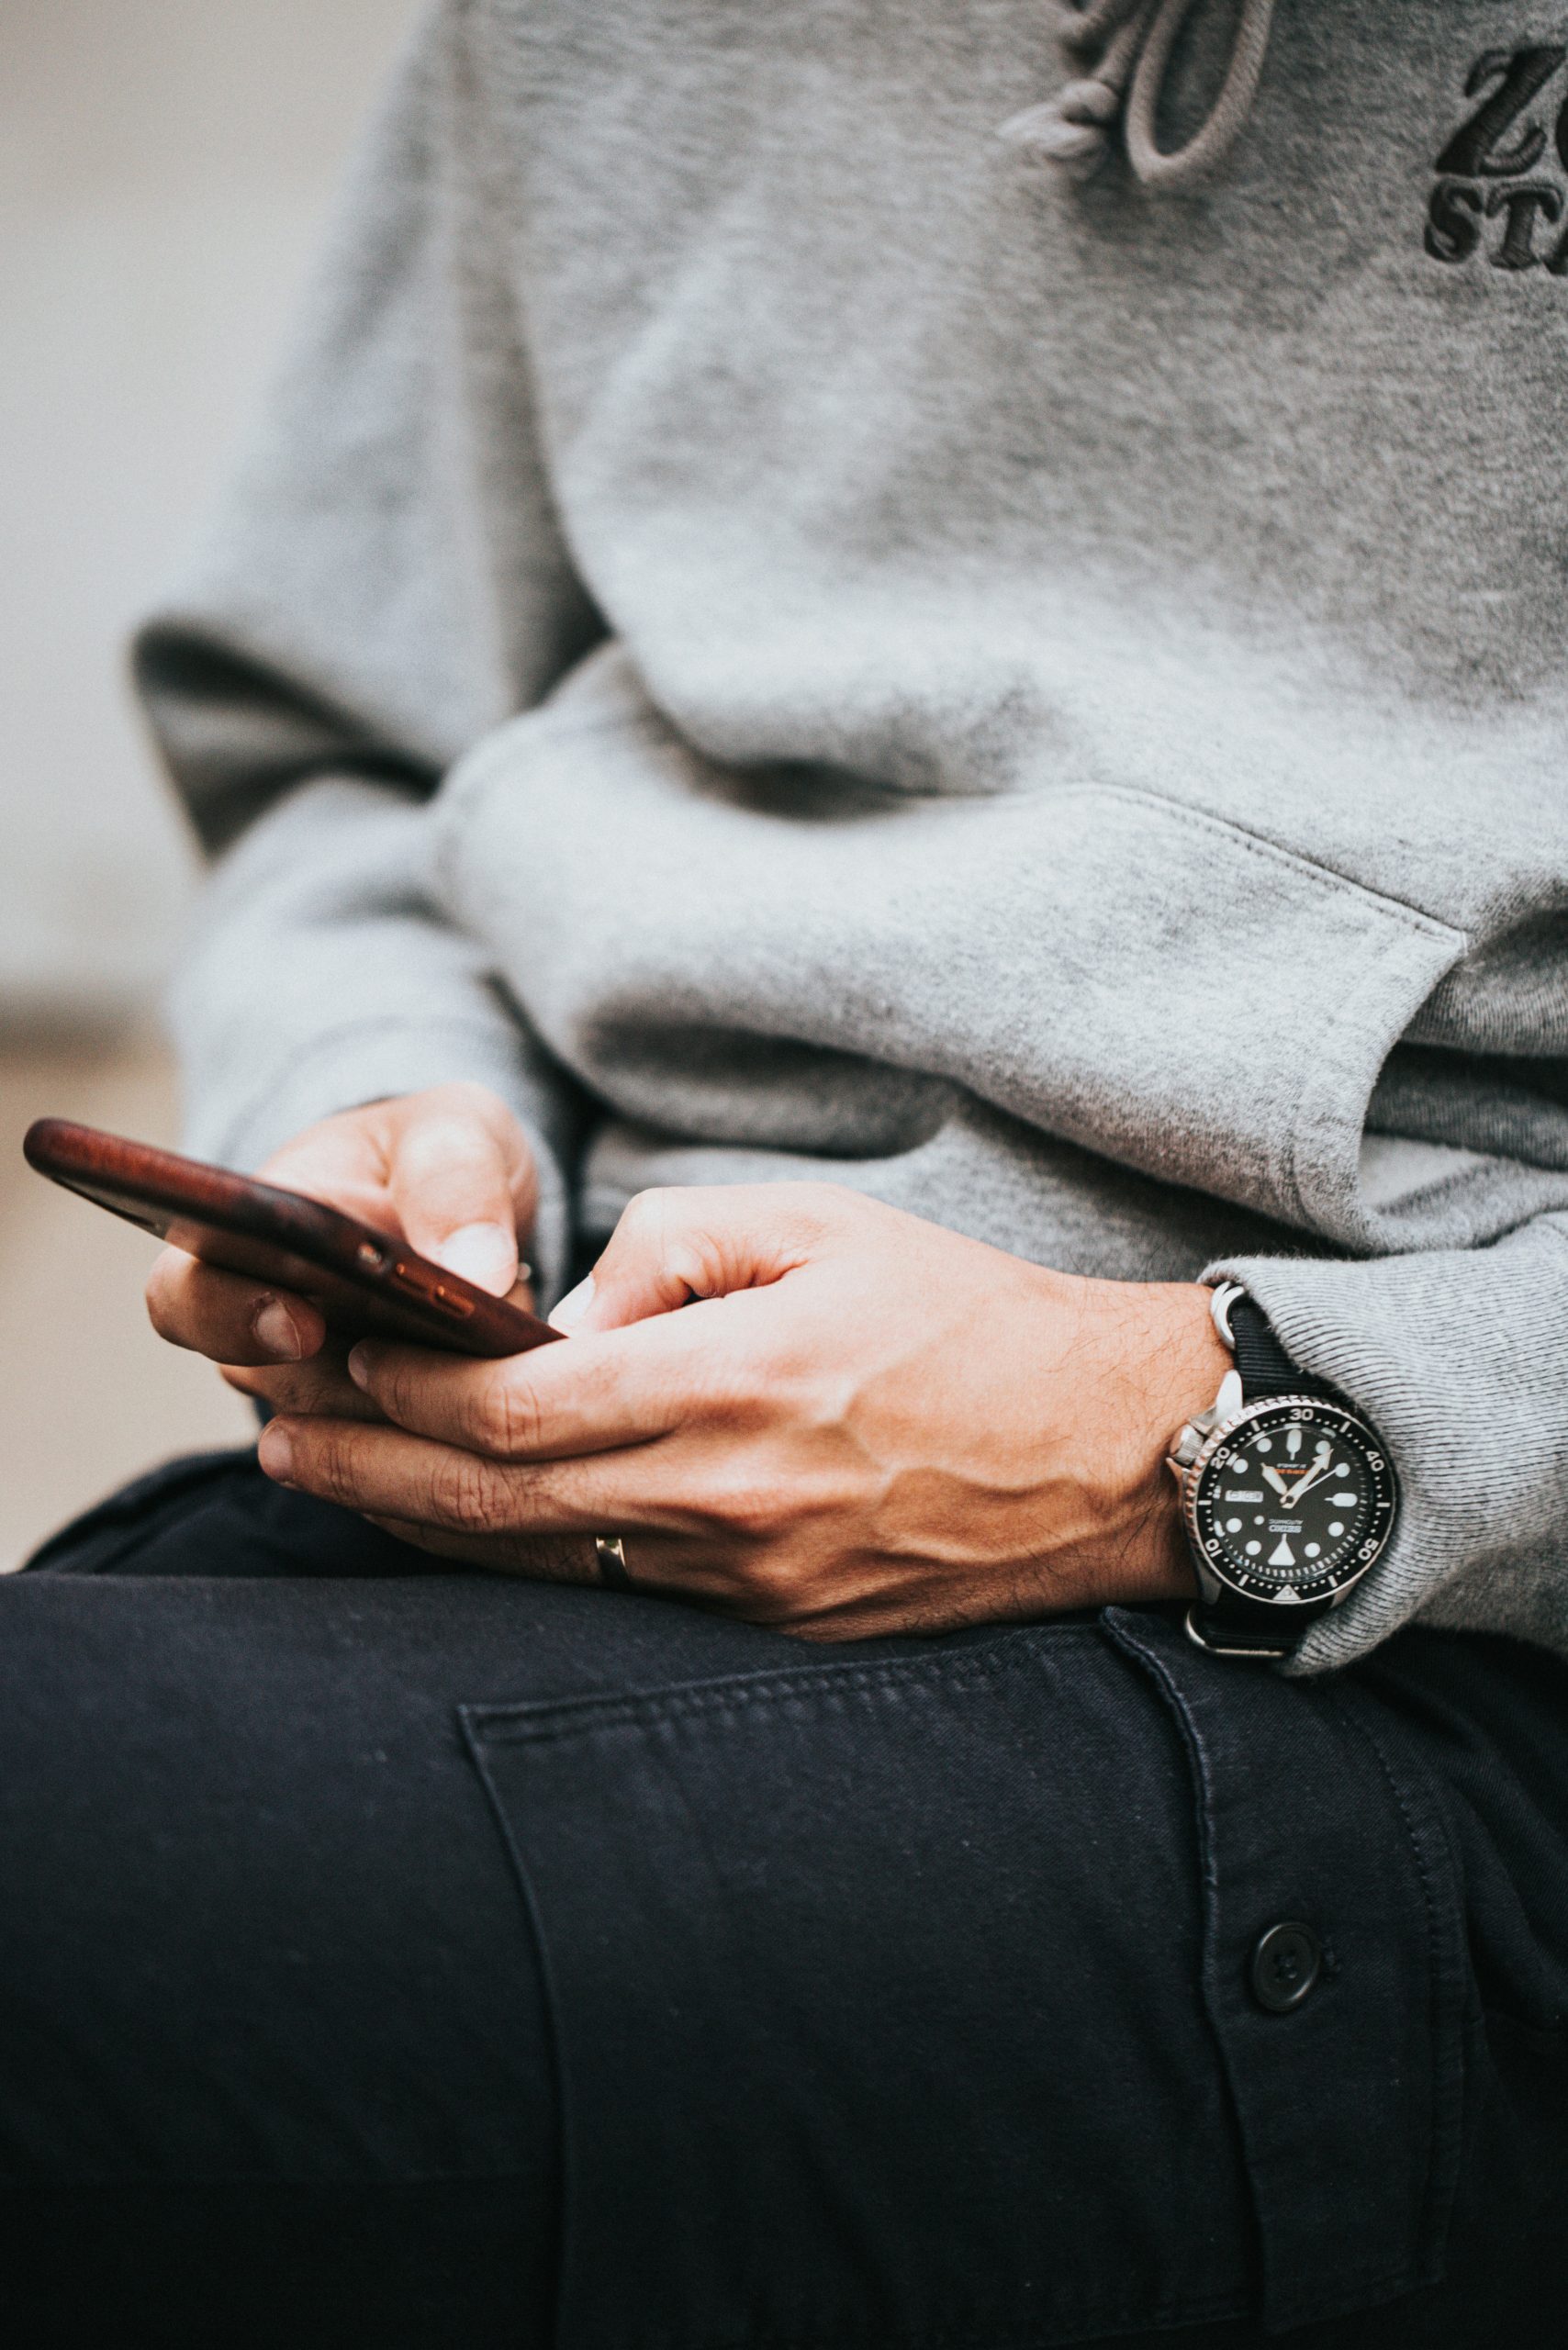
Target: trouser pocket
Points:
x,y
928,1999
877,1995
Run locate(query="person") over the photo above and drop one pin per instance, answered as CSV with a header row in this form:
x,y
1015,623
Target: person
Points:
x,y
929,766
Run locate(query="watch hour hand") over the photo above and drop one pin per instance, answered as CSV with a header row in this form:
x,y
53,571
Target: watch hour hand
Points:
x,y
1272,1477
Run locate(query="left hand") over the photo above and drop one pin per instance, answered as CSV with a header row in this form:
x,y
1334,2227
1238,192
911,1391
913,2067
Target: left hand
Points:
x,y
448,1170
861,1424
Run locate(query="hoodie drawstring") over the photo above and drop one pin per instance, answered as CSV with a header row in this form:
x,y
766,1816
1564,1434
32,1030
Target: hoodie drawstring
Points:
x,y
1072,131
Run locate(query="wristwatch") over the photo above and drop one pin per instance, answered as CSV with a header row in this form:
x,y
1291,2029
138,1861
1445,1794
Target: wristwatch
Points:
x,y
1288,1496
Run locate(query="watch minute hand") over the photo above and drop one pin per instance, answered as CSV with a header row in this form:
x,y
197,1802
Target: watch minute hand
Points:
x,y
1321,1465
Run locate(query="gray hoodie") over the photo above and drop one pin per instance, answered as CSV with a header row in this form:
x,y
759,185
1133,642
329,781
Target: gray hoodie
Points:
x,y
793,636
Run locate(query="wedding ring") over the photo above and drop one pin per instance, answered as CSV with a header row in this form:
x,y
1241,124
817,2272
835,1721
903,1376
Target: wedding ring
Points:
x,y
613,1571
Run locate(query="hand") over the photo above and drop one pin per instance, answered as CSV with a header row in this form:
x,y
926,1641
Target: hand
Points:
x,y
864,1424
447,1170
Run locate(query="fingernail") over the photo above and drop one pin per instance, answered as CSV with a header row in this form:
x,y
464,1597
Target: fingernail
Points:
x,y
359,1365
484,1254
273,1327
574,1305
275,1453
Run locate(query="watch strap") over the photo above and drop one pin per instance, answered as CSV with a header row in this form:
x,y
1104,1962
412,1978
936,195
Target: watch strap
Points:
x,y
1264,1366
1229,1624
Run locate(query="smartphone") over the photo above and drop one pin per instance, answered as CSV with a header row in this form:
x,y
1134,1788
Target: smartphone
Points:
x,y
362,1282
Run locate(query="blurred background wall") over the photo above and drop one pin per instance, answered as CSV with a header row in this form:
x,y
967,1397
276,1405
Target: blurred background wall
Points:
x,y
163,168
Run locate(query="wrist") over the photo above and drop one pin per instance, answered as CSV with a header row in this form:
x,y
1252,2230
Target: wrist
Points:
x,y
1171,1361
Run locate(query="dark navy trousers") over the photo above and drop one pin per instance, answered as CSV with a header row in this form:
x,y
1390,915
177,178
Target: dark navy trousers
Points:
x,y
414,1959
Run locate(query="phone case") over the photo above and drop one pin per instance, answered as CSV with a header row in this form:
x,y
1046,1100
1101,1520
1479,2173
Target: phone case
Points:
x,y
363,1281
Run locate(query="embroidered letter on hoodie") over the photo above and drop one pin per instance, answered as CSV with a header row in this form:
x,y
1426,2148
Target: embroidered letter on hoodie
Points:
x,y
1503,141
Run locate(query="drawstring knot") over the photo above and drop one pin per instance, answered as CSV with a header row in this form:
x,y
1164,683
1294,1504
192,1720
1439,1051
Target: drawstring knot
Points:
x,y
1072,131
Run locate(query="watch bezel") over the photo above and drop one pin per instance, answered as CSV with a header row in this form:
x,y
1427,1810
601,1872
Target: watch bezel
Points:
x,y
1319,1590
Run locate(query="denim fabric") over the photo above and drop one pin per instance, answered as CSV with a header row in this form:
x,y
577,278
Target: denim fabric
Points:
x,y
406,1956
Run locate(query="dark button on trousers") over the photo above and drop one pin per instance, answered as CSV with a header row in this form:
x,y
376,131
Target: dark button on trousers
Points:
x,y
410,1958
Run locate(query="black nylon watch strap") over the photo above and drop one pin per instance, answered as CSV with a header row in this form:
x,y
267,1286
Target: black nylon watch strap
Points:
x,y
1264,1366
1233,1627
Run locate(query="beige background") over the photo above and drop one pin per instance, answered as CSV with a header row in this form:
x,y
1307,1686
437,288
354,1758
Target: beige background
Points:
x,y
163,168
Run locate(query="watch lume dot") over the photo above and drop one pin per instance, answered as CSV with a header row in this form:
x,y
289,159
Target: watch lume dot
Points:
x,y
1335,1526
1312,1548
1253,1548
1233,1526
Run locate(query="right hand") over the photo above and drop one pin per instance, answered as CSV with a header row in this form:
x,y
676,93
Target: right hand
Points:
x,y
448,1170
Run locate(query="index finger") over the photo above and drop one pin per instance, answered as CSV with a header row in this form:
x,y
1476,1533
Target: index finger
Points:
x,y
231,1317
595,1394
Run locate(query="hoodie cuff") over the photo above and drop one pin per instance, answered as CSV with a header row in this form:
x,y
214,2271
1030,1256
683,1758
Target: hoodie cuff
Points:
x,y
1457,1360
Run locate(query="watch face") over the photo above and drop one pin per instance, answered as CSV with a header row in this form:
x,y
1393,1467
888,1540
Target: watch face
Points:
x,y
1292,1500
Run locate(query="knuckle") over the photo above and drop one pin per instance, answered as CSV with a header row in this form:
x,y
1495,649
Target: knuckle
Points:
x,y
560,1557
652,1200
738,1388
826,1402
329,1463
772,1589
663,1208
754,1508
442,1141
669,1244
508,1421
467,1496
645,1212
394,1385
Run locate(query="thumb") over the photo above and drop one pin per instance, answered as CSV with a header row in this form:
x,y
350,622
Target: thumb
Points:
x,y
672,1247
462,1185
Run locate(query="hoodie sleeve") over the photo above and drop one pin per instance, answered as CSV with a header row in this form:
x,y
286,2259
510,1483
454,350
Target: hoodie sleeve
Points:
x,y
384,582
1458,1359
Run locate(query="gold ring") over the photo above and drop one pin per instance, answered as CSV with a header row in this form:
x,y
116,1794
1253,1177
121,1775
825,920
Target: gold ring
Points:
x,y
613,1571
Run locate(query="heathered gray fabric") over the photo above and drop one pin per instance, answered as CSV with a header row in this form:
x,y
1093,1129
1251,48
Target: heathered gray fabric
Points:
x,y
787,642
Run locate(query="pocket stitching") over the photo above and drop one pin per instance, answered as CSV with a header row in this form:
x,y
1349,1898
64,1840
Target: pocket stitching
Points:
x,y
535,1721
1272,852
